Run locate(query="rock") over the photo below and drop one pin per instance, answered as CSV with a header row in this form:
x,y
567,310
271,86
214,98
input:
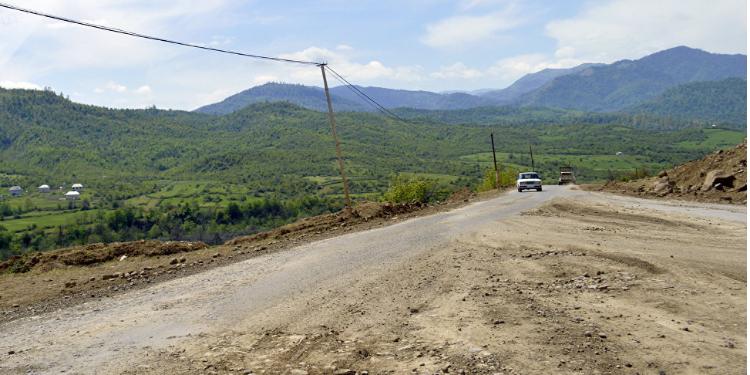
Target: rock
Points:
x,y
715,177
183,260
174,261
123,258
413,310
70,284
602,335
686,329
662,187
107,277
663,174
11,352
344,371
298,372
588,333
216,255
498,322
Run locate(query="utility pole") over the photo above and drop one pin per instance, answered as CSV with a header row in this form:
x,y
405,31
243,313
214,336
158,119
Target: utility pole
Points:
x,y
347,201
532,158
494,160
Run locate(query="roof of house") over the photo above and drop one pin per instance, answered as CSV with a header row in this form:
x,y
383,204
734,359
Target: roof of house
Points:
x,y
16,188
72,193
45,186
77,185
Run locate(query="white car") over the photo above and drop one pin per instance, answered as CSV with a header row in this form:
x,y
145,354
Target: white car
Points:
x,y
529,181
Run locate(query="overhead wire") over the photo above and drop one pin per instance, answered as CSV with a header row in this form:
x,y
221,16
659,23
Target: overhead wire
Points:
x,y
363,95
154,38
338,76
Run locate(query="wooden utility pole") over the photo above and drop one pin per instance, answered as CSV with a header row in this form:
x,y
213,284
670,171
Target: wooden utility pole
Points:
x,y
494,160
347,201
532,158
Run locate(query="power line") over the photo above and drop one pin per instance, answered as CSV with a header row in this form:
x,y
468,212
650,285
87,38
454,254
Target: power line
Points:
x,y
338,76
158,39
364,96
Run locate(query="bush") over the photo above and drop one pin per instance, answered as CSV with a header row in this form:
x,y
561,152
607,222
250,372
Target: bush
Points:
x,y
507,178
409,190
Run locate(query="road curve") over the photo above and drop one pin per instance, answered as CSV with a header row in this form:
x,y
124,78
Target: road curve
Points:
x,y
101,336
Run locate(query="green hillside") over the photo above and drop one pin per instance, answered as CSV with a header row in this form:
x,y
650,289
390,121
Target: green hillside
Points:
x,y
627,83
723,102
182,175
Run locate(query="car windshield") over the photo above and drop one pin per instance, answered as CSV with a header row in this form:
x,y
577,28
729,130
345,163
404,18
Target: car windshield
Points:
x,y
527,176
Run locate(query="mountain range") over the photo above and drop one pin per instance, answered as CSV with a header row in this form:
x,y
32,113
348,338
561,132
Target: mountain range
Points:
x,y
625,85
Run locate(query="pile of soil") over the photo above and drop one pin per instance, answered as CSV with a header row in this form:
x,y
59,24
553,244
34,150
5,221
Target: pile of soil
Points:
x,y
97,253
719,177
360,213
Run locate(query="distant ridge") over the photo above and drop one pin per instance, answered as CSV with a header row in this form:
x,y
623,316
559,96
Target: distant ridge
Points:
x,y
622,85
627,83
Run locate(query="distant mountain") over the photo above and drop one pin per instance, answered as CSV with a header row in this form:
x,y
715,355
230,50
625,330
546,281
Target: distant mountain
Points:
x,y
627,83
530,82
344,98
722,101
304,96
612,87
391,98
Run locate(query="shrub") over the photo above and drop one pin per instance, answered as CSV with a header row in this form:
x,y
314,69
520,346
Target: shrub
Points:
x,y
507,178
409,190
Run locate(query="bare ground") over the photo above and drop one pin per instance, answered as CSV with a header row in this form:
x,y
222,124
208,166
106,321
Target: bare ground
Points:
x,y
572,288
583,284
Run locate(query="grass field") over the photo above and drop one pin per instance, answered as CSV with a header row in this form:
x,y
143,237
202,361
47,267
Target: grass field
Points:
x,y
715,139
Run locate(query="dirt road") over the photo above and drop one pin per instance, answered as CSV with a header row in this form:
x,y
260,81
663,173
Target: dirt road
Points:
x,y
562,281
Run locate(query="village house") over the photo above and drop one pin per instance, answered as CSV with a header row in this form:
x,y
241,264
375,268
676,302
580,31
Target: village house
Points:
x,y
16,191
77,187
72,195
43,188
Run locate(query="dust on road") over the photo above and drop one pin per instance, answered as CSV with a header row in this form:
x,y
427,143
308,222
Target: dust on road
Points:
x,y
579,283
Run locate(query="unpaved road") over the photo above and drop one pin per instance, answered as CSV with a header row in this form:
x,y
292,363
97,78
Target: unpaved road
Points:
x,y
562,281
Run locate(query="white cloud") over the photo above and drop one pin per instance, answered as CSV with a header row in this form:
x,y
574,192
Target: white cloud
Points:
x,y
462,30
457,70
19,85
609,31
116,87
343,63
143,90
512,68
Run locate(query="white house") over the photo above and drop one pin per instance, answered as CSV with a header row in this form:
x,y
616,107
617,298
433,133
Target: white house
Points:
x,y
72,195
77,187
43,188
15,191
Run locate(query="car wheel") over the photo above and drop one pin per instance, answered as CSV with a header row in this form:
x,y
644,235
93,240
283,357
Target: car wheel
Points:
x,y
539,189
520,190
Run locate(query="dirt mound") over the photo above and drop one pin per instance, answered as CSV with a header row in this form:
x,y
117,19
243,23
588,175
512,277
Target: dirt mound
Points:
x,y
718,177
362,212
463,195
97,253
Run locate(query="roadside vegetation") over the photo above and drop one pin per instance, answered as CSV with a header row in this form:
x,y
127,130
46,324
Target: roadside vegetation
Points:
x,y
173,175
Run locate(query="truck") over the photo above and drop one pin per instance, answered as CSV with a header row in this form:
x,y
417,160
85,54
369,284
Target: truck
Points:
x,y
566,176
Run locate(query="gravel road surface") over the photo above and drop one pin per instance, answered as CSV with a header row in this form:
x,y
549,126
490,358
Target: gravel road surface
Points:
x,y
133,332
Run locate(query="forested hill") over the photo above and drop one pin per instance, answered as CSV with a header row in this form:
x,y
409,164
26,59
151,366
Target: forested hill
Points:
x,y
44,134
344,99
587,87
627,83
723,102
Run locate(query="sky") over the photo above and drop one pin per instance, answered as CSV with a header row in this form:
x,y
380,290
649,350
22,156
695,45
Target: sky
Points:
x,y
434,45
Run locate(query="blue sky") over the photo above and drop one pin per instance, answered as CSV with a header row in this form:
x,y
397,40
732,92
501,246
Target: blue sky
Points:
x,y
411,44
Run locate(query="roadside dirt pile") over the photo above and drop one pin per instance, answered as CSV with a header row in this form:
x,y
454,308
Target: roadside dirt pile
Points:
x,y
96,253
361,213
718,177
